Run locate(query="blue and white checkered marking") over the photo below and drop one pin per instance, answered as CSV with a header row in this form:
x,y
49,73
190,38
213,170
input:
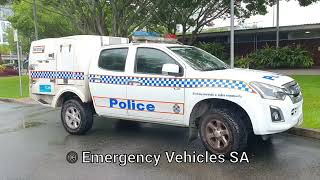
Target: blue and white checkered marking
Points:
x,y
172,82
57,75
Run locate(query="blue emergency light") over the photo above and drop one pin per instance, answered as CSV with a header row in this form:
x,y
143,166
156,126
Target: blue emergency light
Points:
x,y
143,33
154,37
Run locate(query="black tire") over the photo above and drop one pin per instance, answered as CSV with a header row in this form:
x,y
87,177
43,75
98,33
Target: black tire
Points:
x,y
230,136
85,115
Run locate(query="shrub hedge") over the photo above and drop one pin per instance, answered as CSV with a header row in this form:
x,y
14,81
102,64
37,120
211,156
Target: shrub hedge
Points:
x,y
2,68
271,57
7,71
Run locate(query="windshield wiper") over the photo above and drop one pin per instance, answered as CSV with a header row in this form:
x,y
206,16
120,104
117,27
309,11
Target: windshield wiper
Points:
x,y
216,68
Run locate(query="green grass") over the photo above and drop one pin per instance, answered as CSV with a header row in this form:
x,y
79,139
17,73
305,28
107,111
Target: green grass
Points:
x,y
310,86
9,87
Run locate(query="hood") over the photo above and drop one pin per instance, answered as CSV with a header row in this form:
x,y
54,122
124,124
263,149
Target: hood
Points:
x,y
248,75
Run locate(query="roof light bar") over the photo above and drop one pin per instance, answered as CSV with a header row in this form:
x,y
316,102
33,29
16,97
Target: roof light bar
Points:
x,y
153,37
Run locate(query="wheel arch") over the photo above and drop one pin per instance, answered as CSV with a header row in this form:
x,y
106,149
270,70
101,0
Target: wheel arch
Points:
x,y
201,107
67,94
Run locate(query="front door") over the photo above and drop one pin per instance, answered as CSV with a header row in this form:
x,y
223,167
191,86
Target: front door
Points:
x,y
107,82
151,95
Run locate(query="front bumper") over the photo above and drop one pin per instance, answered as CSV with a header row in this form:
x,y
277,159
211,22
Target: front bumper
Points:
x,y
292,116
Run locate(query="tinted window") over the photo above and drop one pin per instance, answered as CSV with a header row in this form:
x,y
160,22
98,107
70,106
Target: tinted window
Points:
x,y
199,59
113,59
150,61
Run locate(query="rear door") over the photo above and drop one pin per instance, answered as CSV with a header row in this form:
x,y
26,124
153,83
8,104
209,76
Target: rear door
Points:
x,y
42,66
65,63
107,82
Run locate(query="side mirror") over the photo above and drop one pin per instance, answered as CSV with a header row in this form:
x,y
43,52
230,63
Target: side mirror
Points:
x,y
170,69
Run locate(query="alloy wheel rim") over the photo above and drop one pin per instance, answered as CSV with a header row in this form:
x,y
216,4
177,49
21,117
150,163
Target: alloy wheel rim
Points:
x,y
218,135
72,117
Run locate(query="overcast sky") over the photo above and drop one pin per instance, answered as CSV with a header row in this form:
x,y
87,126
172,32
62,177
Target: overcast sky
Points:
x,y
290,14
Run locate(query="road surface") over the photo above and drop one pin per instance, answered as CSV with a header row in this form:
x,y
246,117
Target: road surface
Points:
x,y
34,146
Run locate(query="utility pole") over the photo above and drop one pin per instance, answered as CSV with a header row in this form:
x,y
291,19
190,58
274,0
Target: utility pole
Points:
x,y
35,19
16,39
273,15
232,34
278,28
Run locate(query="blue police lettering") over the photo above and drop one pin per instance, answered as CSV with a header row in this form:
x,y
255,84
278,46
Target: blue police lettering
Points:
x,y
271,77
130,105
113,102
140,107
122,105
150,107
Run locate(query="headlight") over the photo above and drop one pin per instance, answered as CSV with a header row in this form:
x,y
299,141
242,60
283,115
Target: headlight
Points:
x,y
268,91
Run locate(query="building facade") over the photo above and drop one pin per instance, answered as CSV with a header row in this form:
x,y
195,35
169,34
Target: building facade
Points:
x,y
249,40
5,12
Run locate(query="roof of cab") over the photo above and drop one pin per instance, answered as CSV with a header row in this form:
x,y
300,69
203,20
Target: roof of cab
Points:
x,y
144,45
76,37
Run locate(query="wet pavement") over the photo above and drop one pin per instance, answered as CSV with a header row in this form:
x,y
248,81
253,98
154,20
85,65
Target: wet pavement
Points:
x,y
34,146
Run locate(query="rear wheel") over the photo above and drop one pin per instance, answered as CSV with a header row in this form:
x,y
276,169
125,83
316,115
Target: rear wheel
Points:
x,y
77,117
222,132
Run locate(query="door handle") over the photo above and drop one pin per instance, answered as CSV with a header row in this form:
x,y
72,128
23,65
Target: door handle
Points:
x,y
134,82
95,79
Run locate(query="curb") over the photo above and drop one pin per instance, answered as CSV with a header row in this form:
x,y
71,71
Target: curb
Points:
x,y
9,100
304,132
21,101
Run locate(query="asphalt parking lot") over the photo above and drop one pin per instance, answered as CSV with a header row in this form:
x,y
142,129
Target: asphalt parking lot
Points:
x,y
34,146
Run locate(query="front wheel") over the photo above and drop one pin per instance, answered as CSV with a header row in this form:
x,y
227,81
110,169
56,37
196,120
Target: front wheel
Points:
x,y
77,117
222,132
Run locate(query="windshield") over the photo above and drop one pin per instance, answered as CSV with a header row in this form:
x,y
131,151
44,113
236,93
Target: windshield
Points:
x,y
199,59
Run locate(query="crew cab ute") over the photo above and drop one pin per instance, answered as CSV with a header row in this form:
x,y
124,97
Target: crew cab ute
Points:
x,y
165,83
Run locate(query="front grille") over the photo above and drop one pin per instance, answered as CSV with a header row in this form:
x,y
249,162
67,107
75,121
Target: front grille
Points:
x,y
293,91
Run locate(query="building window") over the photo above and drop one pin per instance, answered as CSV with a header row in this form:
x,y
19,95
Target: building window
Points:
x,y
4,37
3,26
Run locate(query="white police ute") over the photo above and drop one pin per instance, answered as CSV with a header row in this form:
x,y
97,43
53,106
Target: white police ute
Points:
x,y
165,83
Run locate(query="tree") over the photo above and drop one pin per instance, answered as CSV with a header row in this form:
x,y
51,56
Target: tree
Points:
x,y
4,49
24,42
167,15
87,16
130,15
114,17
4,2
120,17
50,23
66,17
194,15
